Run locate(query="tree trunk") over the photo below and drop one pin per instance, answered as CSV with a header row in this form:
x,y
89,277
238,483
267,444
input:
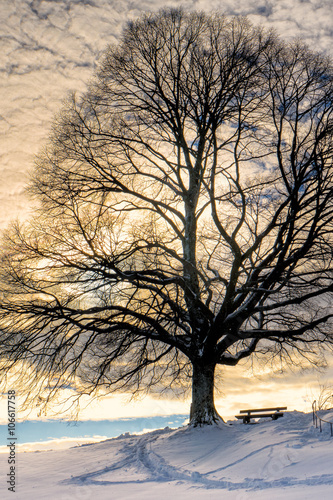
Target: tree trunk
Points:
x,y
203,410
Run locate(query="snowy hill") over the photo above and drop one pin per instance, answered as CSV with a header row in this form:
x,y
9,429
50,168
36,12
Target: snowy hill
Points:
x,y
287,458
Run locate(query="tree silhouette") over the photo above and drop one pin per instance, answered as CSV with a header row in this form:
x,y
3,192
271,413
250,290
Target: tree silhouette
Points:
x,y
183,215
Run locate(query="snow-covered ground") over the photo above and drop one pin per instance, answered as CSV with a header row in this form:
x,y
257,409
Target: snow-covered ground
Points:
x,y
285,459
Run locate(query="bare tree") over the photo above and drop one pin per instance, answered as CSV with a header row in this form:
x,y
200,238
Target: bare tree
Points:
x,y
324,396
184,215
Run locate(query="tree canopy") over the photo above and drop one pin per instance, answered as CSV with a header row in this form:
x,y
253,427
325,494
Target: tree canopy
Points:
x,y
183,215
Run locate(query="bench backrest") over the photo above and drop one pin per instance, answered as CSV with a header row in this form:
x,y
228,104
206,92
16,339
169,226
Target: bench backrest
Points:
x,y
279,408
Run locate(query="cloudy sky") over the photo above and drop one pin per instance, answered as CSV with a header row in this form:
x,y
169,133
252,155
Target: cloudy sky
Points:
x,y
49,48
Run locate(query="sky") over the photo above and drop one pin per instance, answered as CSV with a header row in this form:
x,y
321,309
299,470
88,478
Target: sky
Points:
x,y
50,48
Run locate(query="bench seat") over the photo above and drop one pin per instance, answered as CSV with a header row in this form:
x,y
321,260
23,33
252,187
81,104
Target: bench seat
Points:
x,y
274,413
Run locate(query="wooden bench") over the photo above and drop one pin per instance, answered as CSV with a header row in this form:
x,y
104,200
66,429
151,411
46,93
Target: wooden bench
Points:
x,y
274,413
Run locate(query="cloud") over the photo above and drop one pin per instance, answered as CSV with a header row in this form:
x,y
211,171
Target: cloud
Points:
x,y
51,47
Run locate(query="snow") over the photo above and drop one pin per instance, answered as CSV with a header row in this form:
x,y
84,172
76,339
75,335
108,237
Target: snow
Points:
x,y
288,458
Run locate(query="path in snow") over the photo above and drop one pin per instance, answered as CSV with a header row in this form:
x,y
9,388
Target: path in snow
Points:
x,y
287,458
